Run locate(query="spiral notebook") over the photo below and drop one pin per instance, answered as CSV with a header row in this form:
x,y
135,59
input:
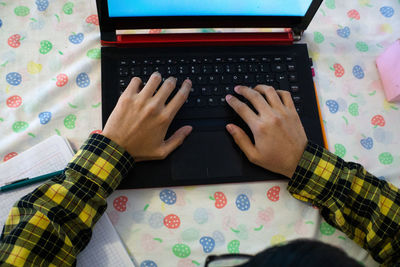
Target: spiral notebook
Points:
x,y
53,154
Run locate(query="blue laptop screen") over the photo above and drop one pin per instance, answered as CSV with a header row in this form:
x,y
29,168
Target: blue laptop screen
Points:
x,y
159,8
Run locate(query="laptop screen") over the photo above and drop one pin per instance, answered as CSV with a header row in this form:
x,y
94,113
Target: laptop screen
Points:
x,y
164,8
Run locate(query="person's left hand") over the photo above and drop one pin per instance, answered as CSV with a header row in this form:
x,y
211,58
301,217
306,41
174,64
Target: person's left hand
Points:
x,y
141,118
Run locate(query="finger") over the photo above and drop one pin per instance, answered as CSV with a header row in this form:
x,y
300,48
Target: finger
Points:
x,y
242,109
286,98
242,140
255,98
166,89
179,99
151,85
177,139
133,86
271,95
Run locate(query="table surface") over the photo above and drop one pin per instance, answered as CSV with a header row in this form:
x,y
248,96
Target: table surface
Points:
x,y
50,84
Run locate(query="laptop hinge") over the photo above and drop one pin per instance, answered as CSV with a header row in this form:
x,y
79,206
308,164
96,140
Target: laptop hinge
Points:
x,y
199,39
297,34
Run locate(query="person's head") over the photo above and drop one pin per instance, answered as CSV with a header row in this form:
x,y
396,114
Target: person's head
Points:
x,y
301,252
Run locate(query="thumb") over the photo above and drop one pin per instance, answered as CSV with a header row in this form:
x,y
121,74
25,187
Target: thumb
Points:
x,y
177,138
241,139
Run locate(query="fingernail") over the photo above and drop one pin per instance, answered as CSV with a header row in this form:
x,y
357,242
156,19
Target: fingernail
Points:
x,y
188,130
237,88
156,73
188,81
229,128
228,97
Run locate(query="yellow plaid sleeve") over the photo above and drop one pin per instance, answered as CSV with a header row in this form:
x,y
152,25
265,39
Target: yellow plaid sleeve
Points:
x,y
51,225
362,206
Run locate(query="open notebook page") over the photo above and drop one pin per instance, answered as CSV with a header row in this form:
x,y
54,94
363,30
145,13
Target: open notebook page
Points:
x,y
51,155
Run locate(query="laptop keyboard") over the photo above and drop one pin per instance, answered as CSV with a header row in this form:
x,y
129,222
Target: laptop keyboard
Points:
x,y
215,77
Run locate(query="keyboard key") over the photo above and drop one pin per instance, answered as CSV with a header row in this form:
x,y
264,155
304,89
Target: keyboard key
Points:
x,y
228,89
195,69
136,71
205,90
296,99
123,62
253,68
160,69
183,69
123,71
264,67
289,58
230,68
218,69
216,90
279,67
147,70
278,59
190,102
266,59
249,78
194,91
171,70
291,67
222,101
200,101
294,88
226,78
241,68
260,78
237,78
200,80
207,69
212,101
292,77
213,79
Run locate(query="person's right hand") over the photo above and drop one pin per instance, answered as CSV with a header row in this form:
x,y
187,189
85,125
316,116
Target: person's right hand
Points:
x,y
141,118
279,136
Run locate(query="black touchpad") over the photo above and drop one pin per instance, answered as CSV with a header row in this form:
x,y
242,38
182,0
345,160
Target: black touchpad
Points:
x,y
206,155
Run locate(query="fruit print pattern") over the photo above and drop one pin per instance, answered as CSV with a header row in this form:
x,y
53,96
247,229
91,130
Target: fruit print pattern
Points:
x,y
62,80
273,193
82,80
332,39
44,117
168,196
332,105
367,143
358,72
20,126
119,203
148,263
42,4
242,202
181,250
14,40
14,78
208,244
14,101
9,156
172,221
45,47
220,200
378,120
339,70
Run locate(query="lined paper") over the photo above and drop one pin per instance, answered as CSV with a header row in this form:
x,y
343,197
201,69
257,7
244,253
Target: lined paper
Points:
x,y
53,154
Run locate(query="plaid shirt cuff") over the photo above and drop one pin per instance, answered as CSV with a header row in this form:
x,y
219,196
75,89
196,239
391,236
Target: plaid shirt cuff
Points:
x,y
316,175
102,161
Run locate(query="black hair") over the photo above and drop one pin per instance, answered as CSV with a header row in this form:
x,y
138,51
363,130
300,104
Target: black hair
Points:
x,y
302,252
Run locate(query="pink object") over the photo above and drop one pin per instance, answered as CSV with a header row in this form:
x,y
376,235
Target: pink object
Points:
x,y
389,69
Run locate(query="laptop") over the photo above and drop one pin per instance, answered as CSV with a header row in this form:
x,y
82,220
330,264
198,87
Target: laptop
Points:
x,y
215,62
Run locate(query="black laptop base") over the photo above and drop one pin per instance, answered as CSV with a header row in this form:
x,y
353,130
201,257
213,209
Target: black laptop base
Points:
x,y
209,154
